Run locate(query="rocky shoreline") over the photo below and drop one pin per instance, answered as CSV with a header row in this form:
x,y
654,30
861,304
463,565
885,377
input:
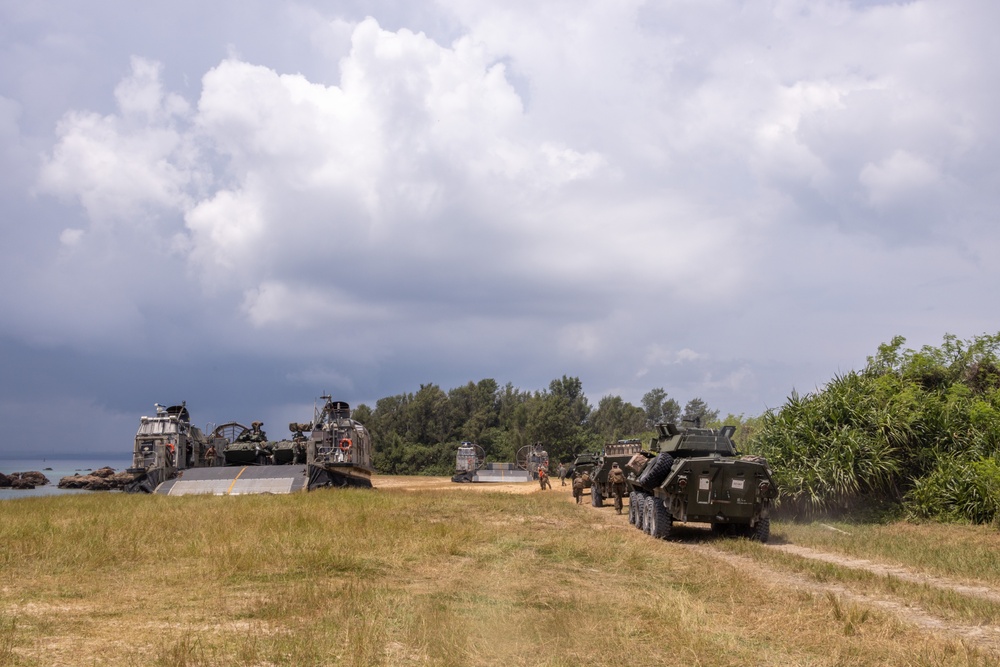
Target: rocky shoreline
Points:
x,y
23,480
102,479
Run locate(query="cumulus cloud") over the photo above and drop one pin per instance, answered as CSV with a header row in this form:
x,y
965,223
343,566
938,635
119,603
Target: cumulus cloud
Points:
x,y
539,185
129,165
899,177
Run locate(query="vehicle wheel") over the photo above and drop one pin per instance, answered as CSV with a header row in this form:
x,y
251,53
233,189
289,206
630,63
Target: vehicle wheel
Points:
x,y
647,515
631,507
762,531
596,499
640,510
661,523
656,471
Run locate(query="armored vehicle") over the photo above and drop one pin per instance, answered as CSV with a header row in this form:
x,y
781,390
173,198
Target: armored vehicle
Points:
x,y
584,463
696,475
168,443
621,453
250,447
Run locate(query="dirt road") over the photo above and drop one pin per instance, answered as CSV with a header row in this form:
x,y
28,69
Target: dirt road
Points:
x,y
982,636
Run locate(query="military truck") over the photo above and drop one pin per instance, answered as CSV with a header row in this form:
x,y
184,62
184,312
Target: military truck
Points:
x,y
696,475
621,453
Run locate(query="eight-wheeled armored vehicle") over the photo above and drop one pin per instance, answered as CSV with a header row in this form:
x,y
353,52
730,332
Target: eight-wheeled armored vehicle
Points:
x,y
696,475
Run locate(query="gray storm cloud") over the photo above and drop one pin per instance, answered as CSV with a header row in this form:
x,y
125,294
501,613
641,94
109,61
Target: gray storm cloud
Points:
x,y
726,200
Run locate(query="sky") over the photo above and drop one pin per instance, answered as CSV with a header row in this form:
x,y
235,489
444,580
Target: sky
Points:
x,y
245,205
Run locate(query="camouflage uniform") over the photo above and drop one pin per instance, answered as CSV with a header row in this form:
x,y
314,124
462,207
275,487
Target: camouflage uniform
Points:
x,y
543,479
577,488
617,479
562,473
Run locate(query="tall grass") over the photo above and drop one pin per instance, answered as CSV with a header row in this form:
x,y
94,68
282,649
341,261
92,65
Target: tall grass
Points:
x,y
396,578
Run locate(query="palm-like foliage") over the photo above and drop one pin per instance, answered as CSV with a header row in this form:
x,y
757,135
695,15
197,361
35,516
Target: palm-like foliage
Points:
x,y
918,428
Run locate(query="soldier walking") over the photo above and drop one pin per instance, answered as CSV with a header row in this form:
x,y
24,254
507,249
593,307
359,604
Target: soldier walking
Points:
x,y
617,479
577,487
562,473
543,478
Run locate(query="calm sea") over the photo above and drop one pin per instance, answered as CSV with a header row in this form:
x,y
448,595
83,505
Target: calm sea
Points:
x,y
54,469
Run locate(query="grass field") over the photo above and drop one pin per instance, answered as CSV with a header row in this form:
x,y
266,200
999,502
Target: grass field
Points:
x,y
458,575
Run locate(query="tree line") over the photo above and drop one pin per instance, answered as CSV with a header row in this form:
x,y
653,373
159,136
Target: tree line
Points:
x,y
915,433
419,433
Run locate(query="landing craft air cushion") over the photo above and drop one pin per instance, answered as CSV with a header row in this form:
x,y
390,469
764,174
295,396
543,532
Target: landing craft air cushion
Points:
x,y
236,460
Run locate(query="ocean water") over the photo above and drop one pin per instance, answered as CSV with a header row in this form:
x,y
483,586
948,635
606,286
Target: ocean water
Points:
x,y
55,469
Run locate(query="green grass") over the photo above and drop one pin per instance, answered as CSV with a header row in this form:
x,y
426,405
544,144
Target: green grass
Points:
x,y
395,578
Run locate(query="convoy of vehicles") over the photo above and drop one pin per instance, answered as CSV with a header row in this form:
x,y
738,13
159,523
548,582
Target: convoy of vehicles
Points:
x,y
688,473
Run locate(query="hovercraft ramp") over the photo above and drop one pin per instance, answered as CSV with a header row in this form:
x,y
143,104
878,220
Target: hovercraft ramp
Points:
x,y
236,481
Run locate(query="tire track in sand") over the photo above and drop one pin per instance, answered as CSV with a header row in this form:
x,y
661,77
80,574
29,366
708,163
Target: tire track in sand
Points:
x,y
986,637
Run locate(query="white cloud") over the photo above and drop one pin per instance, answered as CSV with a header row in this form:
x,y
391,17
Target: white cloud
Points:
x,y
127,166
71,237
900,176
657,355
306,307
537,183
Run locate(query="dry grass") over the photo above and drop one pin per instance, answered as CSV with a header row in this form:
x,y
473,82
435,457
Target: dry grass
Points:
x,y
960,551
441,577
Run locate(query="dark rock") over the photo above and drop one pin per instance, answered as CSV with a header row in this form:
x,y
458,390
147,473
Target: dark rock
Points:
x,y
95,482
76,481
121,479
33,477
23,480
104,472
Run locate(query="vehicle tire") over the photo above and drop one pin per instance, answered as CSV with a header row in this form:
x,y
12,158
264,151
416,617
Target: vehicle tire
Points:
x,y
640,510
656,471
762,531
661,521
596,499
647,515
632,507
